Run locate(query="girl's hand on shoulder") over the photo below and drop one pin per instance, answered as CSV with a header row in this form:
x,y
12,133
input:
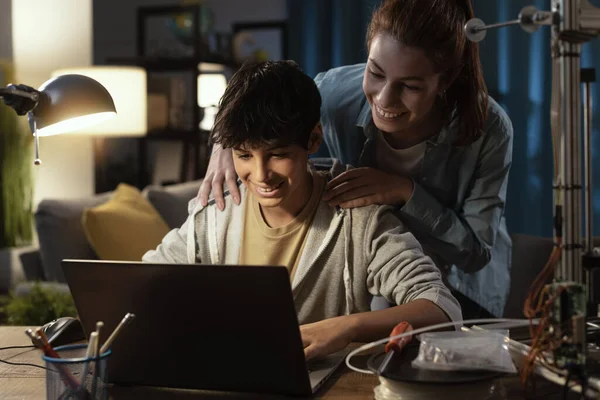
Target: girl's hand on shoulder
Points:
x,y
361,187
328,336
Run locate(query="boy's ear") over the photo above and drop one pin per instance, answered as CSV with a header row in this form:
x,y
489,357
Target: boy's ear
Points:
x,y
315,138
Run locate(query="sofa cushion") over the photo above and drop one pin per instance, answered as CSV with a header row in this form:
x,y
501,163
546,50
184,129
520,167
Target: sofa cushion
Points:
x,y
171,201
60,233
125,227
24,288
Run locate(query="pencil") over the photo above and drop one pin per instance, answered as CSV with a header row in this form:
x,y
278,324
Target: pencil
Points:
x,y
39,339
126,319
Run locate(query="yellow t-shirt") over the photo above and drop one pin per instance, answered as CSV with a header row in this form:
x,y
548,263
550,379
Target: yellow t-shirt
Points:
x,y
263,245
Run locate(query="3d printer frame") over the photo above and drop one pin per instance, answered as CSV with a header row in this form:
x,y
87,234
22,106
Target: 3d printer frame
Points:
x,y
574,295
573,22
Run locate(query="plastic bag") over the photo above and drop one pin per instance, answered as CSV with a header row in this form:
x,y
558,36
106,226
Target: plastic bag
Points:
x,y
460,351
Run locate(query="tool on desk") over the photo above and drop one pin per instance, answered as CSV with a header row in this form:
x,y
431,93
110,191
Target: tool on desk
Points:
x,y
126,320
40,341
46,346
94,356
89,356
394,346
99,326
95,353
36,340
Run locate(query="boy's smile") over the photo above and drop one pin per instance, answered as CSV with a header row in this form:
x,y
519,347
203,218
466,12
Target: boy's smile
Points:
x,y
268,191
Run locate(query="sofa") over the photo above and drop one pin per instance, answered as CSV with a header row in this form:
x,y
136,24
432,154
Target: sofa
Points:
x,y
61,233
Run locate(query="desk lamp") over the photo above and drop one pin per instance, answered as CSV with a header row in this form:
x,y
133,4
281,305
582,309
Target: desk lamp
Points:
x,y
60,105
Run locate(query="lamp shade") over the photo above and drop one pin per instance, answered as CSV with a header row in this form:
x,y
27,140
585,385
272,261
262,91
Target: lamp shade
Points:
x,y
127,86
211,84
70,102
211,87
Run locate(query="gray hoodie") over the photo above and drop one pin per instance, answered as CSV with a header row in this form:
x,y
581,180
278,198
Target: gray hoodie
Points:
x,y
350,255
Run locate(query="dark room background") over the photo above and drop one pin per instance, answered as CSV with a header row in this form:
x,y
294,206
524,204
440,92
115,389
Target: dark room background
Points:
x,y
329,33
517,69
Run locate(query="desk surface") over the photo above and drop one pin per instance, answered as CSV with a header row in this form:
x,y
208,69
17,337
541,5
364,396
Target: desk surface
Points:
x,y
26,382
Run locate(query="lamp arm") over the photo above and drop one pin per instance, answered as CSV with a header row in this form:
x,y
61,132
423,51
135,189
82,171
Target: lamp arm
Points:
x,y
12,91
20,97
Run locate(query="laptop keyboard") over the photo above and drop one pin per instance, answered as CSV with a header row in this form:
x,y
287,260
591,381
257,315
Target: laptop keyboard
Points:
x,y
318,364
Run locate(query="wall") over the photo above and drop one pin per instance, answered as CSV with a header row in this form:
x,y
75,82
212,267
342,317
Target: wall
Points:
x,y
48,35
114,20
5,29
115,36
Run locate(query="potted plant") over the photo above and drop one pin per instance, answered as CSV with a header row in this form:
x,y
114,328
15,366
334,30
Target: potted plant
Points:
x,y
36,307
16,188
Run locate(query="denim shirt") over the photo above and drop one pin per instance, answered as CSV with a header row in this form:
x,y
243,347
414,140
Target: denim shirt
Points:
x,y
457,206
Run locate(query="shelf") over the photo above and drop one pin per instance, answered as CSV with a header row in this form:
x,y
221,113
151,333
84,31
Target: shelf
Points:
x,y
195,141
166,64
177,134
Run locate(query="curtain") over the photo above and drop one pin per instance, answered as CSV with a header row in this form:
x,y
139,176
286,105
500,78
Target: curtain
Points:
x,y
517,70
328,33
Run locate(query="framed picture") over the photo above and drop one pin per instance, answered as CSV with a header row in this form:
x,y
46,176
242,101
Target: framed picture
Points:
x,y
260,41
174,31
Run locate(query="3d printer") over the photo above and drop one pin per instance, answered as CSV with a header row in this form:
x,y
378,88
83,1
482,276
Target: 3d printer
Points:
x,y
573,297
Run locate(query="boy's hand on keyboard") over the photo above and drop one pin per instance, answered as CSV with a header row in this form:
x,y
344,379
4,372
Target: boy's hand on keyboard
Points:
x,y
327,336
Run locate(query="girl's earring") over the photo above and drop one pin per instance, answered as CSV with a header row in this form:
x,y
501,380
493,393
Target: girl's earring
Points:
x,y
443,95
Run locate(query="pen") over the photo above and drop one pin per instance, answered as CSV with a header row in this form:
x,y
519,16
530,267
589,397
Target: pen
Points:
x,y
37,341
89,355
48,350
126,319
94,356
99,326
40,341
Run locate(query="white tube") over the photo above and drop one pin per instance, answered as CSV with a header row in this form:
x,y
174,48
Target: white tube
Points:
x,y
516,347
421,330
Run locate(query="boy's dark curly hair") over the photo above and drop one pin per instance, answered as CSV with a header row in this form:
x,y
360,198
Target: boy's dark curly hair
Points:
x,y
269,103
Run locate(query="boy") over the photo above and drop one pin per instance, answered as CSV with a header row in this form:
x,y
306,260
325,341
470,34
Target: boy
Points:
x,y
338,259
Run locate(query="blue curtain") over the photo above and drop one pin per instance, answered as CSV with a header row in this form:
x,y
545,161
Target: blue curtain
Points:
x,y
517,69
328,33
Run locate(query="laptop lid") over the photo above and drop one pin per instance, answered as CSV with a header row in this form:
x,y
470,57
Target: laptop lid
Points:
x,y
231,328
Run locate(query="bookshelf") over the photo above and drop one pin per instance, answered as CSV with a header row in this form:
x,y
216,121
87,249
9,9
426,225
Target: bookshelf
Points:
x,y
194,140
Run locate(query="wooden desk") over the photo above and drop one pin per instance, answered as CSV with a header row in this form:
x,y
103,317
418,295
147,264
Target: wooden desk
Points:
x,y
26,382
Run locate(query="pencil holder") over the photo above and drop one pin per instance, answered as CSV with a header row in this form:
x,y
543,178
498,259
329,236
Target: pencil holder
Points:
x,y
75,377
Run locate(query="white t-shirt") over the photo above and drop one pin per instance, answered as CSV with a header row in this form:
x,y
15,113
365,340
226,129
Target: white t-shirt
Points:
x,y
406,162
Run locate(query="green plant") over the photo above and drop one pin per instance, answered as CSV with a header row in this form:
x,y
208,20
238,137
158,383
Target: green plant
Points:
x,y
40,305
16,180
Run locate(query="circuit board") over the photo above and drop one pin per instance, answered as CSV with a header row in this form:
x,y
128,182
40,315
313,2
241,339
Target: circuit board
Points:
x,y
567,323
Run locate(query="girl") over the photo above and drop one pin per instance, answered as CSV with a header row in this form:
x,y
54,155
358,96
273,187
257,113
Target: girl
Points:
x,y
418,122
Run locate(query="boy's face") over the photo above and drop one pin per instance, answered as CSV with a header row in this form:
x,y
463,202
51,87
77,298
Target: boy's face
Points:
x,y
277,176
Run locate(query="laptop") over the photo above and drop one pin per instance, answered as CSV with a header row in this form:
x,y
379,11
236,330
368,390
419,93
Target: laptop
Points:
x,y
226,328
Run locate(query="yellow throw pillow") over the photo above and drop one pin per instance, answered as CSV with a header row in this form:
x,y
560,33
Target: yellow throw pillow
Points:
x,y
125,227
